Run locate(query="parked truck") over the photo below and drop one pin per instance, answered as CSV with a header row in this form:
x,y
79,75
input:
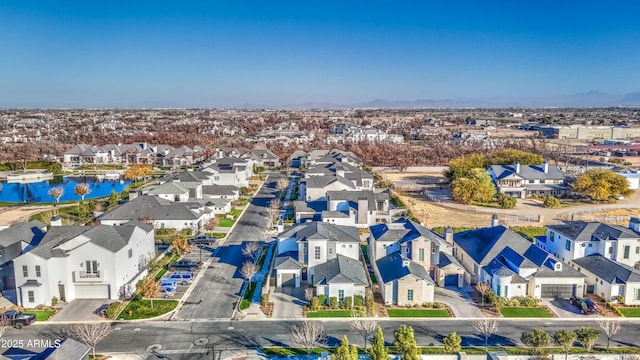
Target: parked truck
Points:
x,y
17,319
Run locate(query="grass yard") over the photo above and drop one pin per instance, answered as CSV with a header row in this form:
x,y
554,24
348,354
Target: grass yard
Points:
x,y
328,314
524,312
226,223
41,315
440,313
630,312
141,309
235,213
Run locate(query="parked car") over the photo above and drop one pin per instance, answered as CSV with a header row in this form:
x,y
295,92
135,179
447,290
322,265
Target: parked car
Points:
x,y
202,240
185,265
167,292
18,319
181,277
168,283
586,306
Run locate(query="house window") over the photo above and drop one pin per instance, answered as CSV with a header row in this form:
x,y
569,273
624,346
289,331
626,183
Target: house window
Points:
x,y
330,251
316,251
421,254
410,295
637,297
130,253
38,274
350,246
32,296
433,250
610,250
530,181
552,236
92,267
567,245
25,271
340,295
590,245
637,249
627,249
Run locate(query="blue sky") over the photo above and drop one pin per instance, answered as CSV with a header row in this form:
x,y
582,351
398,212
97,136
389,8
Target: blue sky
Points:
x,y
232,53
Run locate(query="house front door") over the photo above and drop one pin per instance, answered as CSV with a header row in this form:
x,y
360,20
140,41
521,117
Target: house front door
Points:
x,y
61,291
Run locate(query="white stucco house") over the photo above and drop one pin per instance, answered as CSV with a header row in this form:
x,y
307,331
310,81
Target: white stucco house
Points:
x,y
83,262
340,277
608,279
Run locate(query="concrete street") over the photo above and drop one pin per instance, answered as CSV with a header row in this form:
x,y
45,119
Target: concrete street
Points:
x,y
218,290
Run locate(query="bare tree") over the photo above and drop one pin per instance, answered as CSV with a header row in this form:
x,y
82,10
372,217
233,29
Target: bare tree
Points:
x,y
366,327
82,190
56,193
308,335
5,323
483,288
486,327
91,333
610,328
273,211
251,250
308,293
282,183
249,270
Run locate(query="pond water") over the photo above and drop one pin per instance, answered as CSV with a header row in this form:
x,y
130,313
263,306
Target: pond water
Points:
x,y
38,191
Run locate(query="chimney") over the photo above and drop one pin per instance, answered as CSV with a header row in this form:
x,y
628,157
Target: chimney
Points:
x,y
516,166
56,220
448,235
634,223
494,220
363,210
133,195
545,167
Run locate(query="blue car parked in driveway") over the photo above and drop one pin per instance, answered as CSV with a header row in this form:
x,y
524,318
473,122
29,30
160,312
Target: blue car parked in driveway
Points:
x,y
168,283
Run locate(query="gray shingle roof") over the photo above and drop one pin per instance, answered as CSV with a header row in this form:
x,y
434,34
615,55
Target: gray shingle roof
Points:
x,y
152,207
287,263
354,196
170,188
340,270
583,231
448,259
402,230
322,181
528,172
220,190
28,232
608,270
391,268
322,230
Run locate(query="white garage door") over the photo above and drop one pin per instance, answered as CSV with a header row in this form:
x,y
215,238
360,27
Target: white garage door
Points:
x,y
92,291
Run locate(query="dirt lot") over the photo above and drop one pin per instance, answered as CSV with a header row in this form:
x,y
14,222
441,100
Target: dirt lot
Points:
x,y
10,216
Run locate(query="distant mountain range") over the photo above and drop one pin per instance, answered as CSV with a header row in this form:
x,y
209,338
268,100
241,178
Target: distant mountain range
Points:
x,y
592,98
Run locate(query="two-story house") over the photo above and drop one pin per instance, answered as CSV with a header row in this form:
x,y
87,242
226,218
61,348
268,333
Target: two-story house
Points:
x,y
315,251
231,171
84,262
522,181
576,239
357,208
609,279
513,265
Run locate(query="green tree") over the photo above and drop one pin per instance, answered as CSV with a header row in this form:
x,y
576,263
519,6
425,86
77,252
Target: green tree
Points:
x,y
506,201
345,352
509,156
149,288
600,184
536,339
452,343
462,166
478,186
587,337
113,198
378,351
405,343
550,202
564,339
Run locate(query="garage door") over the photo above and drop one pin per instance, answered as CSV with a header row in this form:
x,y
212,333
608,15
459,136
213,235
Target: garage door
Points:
x,y
558,291
451,280
288,280
92,291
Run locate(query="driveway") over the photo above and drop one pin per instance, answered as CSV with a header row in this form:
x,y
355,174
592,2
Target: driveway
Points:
x,y
82,310
288,302
458,300
564,310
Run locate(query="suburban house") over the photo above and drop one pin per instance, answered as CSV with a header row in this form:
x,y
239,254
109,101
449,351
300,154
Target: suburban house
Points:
x,y
126,154
182,156
522,181
14,241
357,208
265,158
177,191
325,157
576,239
231,171
406,253
84,262
316,187
192,176
608,278
513,266
327,255
163,213
228,192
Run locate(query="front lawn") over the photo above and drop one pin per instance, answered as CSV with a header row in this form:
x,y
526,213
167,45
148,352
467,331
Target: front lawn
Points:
x,y
141,309
226,222
329,314
41,315
524,312
417,313
235,213
630,312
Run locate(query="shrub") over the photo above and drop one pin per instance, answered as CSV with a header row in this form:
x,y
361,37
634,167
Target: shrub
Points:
x,y
506,202
322,299
113,310
244,191
264,299
614,308
333,302
550,202
348,302
358,300
54,301
315,303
